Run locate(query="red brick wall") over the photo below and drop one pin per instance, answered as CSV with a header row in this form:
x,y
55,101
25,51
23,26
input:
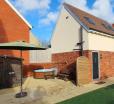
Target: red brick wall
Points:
x,y
12,28
28,69
69,62
65,60
106,64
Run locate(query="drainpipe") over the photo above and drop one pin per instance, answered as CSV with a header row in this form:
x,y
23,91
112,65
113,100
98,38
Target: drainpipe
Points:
x,y
81,41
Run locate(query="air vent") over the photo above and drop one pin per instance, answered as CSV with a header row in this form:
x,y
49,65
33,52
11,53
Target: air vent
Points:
x,y
67,17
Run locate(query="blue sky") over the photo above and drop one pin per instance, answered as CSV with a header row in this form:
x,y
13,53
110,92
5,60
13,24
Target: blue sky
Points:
x,y
90,3
42,14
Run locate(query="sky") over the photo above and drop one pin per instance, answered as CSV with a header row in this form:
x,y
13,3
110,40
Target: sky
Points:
x,y
43,14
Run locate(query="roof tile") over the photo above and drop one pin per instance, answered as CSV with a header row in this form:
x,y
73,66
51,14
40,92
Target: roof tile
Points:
x,y
98,26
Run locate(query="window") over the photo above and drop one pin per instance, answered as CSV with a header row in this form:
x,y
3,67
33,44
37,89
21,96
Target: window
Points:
x,y
104,25
110,27
107,26
89,20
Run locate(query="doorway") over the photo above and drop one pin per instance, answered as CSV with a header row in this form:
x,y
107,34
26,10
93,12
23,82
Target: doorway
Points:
x,y
95,66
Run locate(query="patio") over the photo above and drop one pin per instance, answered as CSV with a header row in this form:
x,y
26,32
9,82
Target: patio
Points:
x,y
49,91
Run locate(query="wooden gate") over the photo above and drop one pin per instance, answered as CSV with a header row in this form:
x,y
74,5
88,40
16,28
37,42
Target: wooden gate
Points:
x,y
82,70
10,71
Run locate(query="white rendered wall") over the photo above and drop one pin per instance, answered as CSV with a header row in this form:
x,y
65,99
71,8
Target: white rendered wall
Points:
x,y
66,34
99,42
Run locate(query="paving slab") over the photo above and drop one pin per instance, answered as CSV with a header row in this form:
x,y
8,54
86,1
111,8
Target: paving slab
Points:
x,y
49,91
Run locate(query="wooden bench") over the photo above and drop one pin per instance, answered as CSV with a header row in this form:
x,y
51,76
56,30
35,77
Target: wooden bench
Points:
x,y
63,76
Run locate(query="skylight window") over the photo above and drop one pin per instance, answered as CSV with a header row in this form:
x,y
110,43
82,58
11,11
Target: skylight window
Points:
x,y
107,26
110,27
89,20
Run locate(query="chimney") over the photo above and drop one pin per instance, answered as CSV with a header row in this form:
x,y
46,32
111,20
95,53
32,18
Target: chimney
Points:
x,y
113,25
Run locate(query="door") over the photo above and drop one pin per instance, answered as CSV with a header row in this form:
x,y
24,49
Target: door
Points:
x,y
95,65
10,69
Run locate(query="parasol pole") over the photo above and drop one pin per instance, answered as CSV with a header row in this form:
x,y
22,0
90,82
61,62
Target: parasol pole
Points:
x,y
21,94
21,72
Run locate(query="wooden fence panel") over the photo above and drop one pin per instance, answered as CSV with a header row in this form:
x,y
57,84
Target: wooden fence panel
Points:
x,y
40,56
82,70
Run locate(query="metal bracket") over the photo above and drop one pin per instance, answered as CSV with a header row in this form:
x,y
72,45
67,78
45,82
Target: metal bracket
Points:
x,y
80,43
76,49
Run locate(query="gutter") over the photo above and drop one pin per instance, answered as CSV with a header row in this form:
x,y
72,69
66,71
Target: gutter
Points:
x,y
99,33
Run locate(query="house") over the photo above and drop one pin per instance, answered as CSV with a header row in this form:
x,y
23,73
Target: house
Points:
x,y
13,27
34,40
97,39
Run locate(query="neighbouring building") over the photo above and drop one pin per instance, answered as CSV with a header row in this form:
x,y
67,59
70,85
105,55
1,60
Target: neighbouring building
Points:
x,y
13,27
98,41
34,40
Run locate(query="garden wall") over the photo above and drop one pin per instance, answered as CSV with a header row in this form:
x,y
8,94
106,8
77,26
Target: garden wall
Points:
x,y
28,69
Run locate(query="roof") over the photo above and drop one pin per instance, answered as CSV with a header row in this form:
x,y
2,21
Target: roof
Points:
x,y
18,13
89,21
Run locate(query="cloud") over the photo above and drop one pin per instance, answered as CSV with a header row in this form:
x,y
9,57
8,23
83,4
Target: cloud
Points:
x,y
28,5
104,10
50,18
101,8
45,15
78,3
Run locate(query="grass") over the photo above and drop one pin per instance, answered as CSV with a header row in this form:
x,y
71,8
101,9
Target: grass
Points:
x,y
101,96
